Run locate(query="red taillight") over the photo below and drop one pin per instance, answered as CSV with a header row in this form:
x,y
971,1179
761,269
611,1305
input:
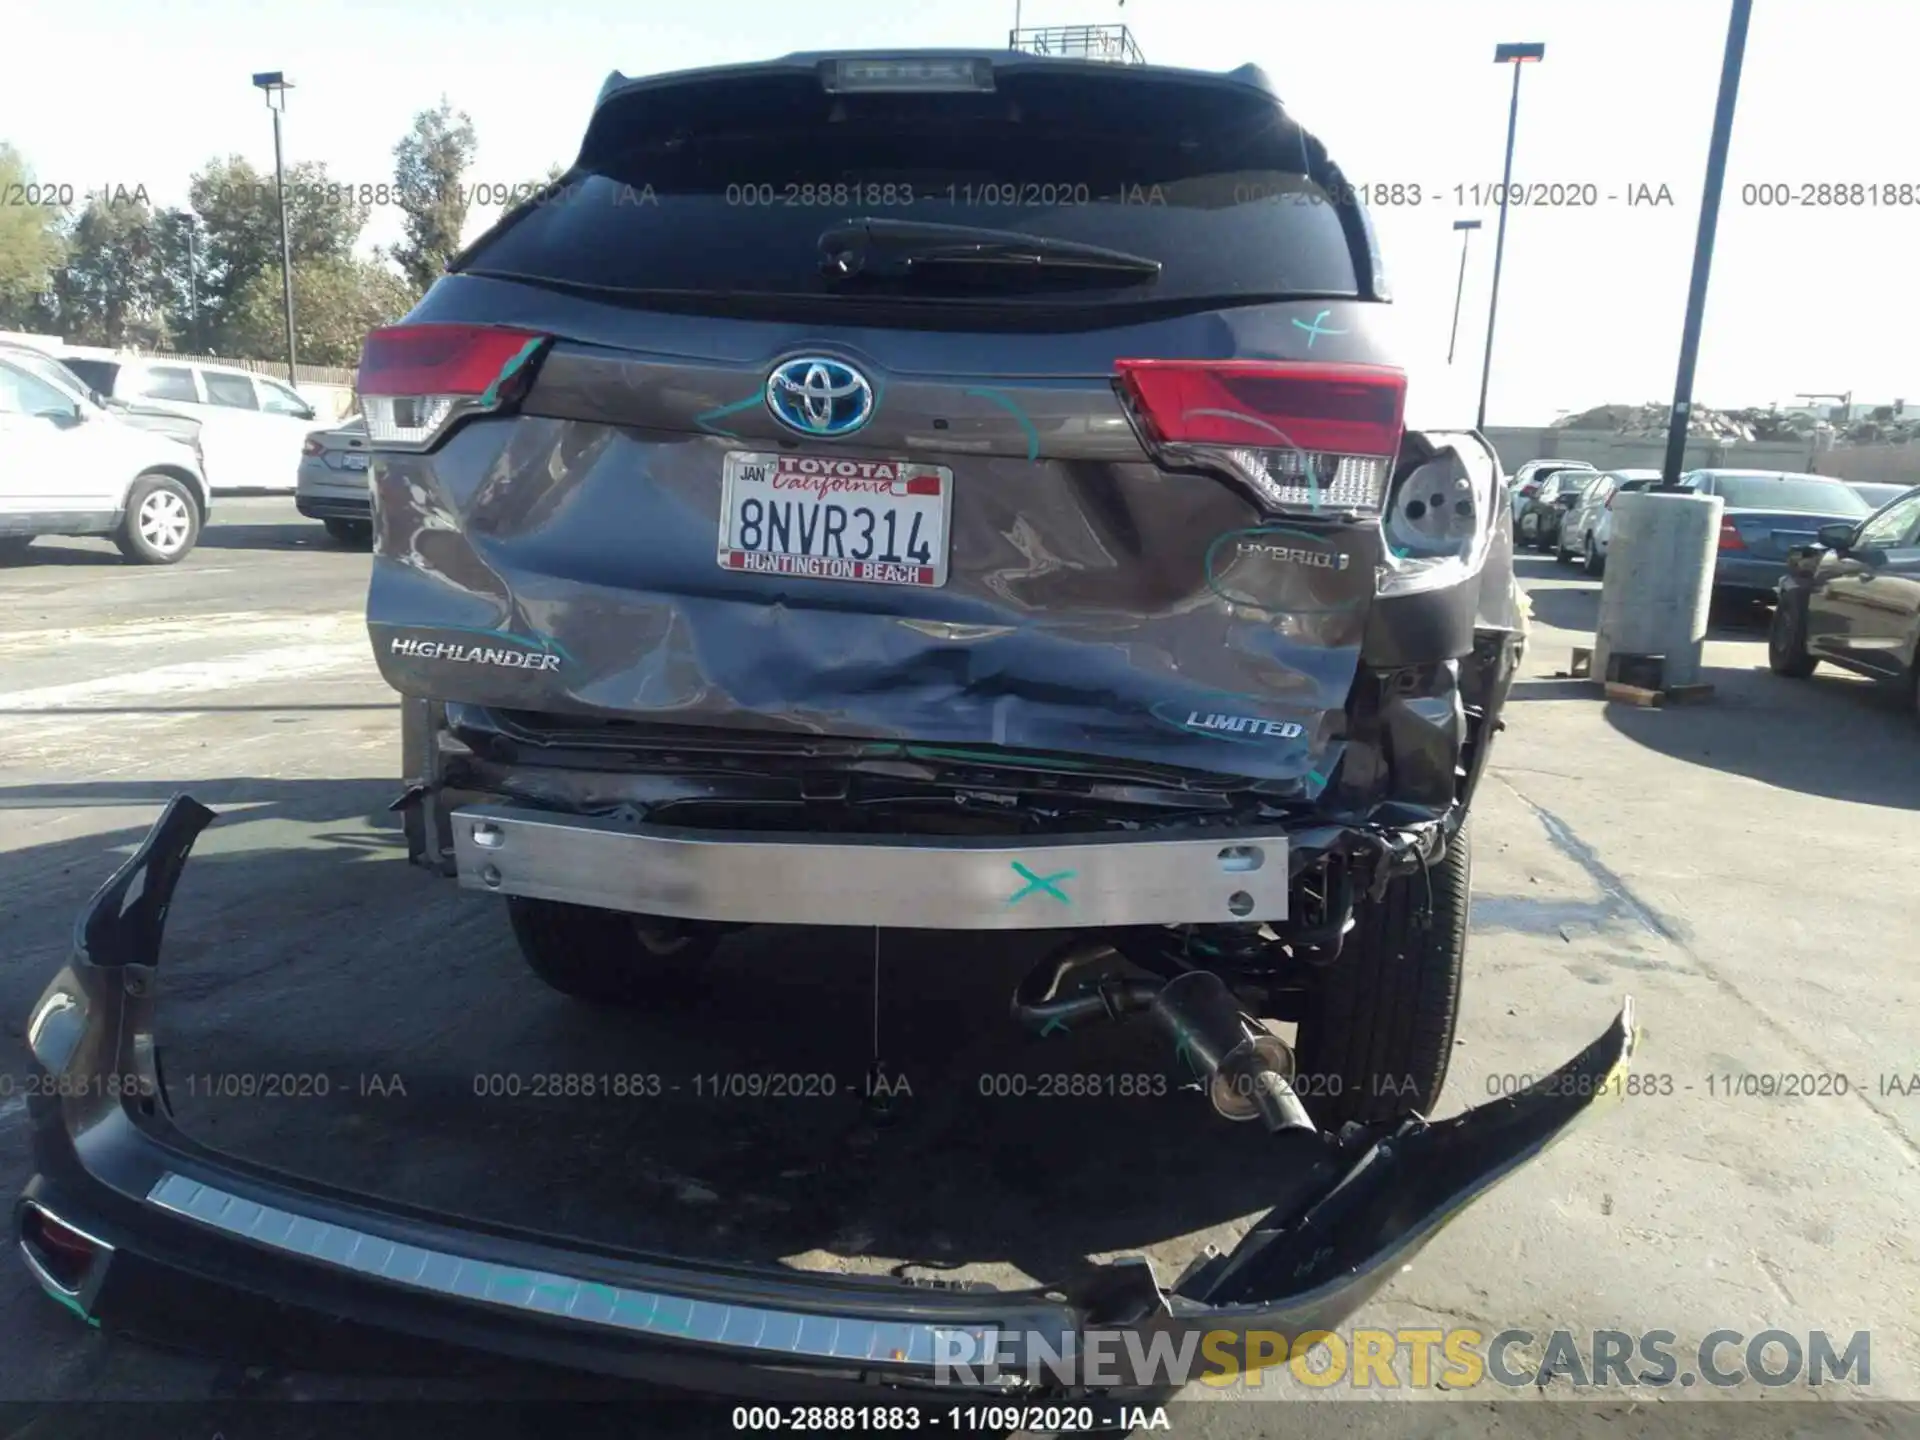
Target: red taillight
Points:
x,y
1609,504
1730,537
1300,435
415,379
1529,490
65,1255
313,446
439,359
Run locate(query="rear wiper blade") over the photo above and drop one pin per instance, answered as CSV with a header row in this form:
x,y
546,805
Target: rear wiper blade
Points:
x,y
894,249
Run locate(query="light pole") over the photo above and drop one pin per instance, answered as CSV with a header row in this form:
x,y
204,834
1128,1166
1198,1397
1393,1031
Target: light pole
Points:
x,y
276,85
1682,412
1516,56
193,279
1466,229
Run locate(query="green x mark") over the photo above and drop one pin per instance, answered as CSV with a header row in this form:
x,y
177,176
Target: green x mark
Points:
x,y
1036,884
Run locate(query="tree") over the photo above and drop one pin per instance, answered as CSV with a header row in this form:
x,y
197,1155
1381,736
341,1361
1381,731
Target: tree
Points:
x,y
429,165
240,217
30,243
336,301
108,291
179,265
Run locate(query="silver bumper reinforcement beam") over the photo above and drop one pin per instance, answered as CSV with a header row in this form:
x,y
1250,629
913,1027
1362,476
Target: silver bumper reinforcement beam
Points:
x,y
894,882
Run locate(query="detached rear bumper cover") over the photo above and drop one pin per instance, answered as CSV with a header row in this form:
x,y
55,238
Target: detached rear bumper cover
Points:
x,y
196,1247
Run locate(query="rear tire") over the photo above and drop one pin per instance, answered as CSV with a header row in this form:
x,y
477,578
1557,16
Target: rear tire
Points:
x,y
606,957
355,533
1787,652
1376,1037
1594,563
1561,556
162,523
14,547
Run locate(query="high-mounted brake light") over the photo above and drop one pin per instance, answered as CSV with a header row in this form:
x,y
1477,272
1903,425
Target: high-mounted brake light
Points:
x,y
927,74
417,380
1298,437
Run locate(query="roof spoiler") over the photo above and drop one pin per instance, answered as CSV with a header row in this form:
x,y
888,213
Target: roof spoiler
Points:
x,y
1250,76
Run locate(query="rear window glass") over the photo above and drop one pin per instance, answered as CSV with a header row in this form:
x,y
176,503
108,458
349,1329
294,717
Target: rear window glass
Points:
x,y
233,390
725,186
1759,492
166,382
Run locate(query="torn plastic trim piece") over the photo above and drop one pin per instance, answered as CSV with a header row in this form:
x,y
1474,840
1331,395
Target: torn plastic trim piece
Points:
x,y
1348,1212
124,921
1402,1183
1420,554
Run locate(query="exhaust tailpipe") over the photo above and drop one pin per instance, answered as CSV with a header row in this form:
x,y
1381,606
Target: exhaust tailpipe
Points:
x,y
1248,1071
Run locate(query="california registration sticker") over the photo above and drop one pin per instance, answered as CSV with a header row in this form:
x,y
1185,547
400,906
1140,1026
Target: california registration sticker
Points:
x,y
825,517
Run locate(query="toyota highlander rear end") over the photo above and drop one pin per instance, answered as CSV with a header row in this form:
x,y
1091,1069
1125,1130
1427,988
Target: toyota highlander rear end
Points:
x,y
865,485
947,491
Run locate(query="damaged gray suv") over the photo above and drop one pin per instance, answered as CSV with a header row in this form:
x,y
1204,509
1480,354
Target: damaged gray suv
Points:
x,y
943,492
959,493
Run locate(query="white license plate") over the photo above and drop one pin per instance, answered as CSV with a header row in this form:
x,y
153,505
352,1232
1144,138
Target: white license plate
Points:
x,y
883,522
355,462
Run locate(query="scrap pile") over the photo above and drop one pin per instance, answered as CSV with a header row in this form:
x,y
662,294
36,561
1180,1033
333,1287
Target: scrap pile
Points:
x,y
1876,426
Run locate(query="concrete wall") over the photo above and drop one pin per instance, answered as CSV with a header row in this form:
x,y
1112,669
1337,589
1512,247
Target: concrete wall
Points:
x,y
1882,464
330,402
1876,464
1606,451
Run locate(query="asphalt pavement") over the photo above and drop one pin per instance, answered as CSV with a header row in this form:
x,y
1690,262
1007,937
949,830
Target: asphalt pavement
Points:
x,y
1742,868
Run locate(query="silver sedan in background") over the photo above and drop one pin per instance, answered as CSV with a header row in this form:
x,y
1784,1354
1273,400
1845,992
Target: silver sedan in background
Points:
x,y
1588,528
1875,493
333,486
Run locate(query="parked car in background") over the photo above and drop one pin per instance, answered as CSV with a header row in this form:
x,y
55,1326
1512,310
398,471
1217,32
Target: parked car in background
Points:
x,y
333,487
145,415
1526,482
1876,494
252,426
70,466
1589,525
1855,600
1768,512
1544,510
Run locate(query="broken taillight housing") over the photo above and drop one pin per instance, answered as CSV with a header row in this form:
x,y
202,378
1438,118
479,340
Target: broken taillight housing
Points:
x,y
1438,525
417,381
1313,438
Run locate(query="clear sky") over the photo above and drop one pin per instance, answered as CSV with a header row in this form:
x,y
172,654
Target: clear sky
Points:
x,y
1804,298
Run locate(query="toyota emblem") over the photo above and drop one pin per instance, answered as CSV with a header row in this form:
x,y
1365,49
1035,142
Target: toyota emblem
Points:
x,y
817,396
